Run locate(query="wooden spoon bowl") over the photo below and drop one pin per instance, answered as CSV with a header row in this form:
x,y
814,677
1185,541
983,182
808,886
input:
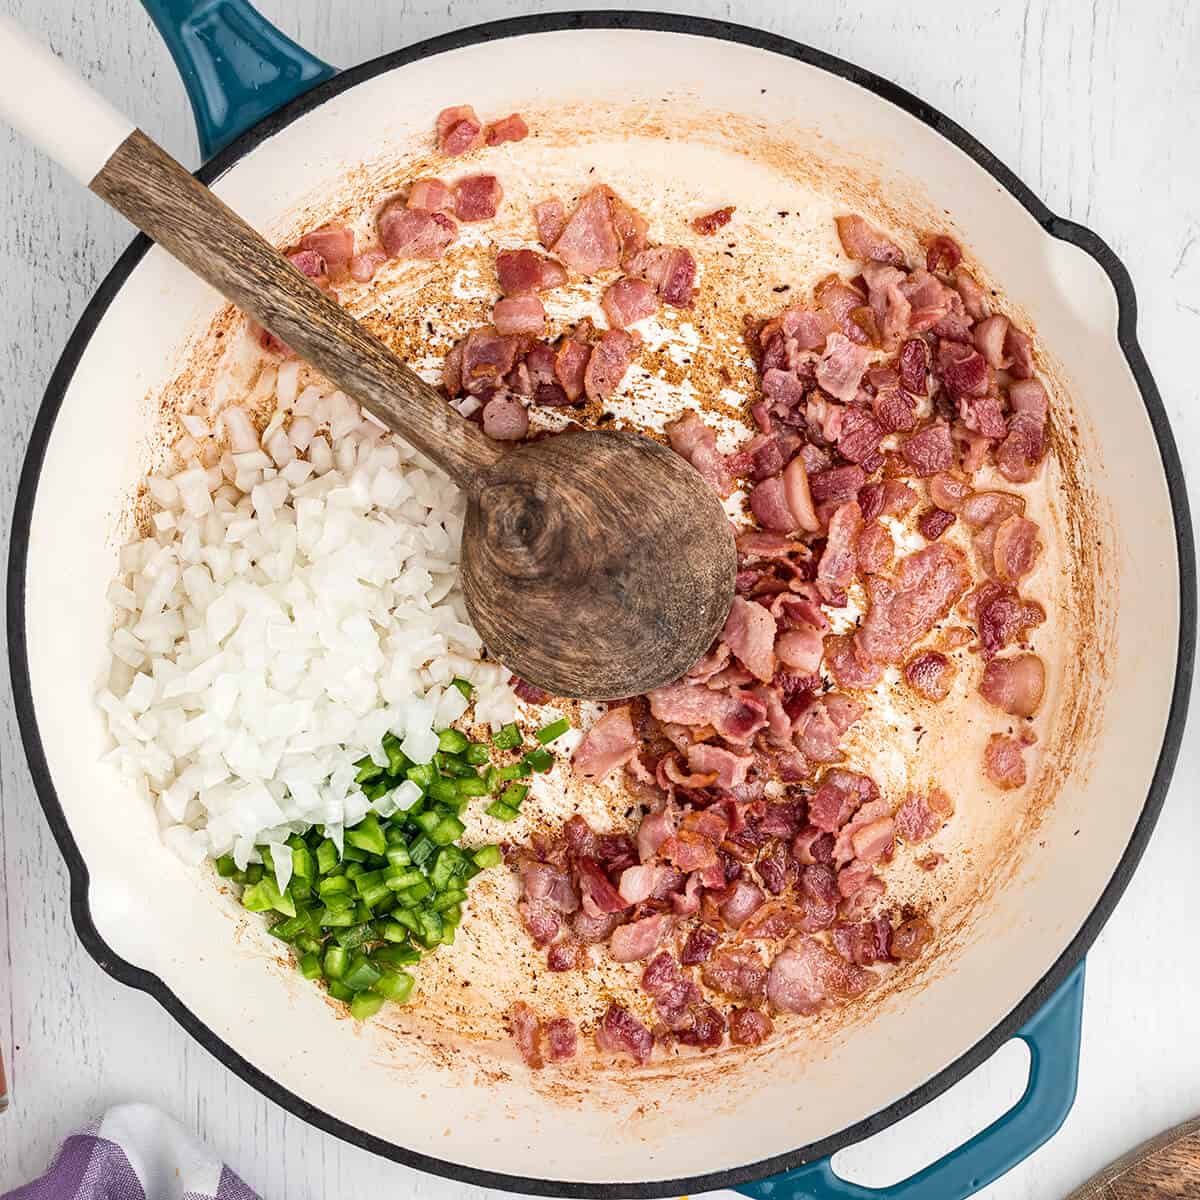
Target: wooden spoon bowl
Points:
x,y
596,564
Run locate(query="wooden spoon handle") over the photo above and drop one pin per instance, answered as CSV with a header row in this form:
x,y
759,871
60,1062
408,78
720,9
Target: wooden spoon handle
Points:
x,y
1168,1165
48,102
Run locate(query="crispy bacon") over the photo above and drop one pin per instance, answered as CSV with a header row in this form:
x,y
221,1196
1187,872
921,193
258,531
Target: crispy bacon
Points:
x,y
1002,616
562,1038
709,223
507,129
692,439
620,1032
670,269
749,1027
458,130
931,450
1002,761
431,195
919,817
638,939
841,367
527,1033
413,233
930,674
806,976
1015,684
608,362
527,271
863,241
628,301
737,972
609,744
333,243
519,315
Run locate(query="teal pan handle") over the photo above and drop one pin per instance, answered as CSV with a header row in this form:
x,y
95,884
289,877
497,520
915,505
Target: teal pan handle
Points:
x,y
236,66
1053,1040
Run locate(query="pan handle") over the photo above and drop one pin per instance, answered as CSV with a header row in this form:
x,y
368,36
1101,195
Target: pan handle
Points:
x,y
1053,1040
236,66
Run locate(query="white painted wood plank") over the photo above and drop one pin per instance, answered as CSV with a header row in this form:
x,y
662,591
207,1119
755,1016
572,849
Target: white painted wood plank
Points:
x,y
1094,106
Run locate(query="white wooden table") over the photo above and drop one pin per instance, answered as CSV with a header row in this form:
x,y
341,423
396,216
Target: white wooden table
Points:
x,y
1095,107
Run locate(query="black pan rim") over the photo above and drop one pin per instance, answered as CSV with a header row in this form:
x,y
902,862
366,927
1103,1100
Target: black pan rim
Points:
x,y
1057,227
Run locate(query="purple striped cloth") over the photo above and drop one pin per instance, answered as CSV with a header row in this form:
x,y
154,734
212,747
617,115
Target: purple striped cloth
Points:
x,y
134,1152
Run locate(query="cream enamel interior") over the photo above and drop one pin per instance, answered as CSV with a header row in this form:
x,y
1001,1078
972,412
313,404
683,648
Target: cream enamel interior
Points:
x,y
623,1126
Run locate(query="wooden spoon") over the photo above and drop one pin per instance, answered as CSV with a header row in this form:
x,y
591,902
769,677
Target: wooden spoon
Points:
x,y
594,564
1167,1165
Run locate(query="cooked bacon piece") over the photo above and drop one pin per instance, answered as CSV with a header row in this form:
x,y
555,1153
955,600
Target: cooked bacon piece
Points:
x,y
711,664
564,956
819,889
588,242
895,410
891,498
694,846
608,362
864,944
798,496
609,744
505,419
1020,454
904,609
735,715
841,367
508,129
839,797
527,1033
777,868
709,223
727,769
744,900
412,233
694,440
527,691
628,301
989,340
1002,616
671,270
930,674
768,502
919,818
948,492
551,219
431,195
820,727
839,560
1015,549
527,271
1018,346
477,197
942,253
620,1032
699,945
863,241
675,994
982,416
847,668
459,130
984,508
1014,685
519,315
910,938
737,972
706,1029
479,362
837,485
934,523
800,650
806,976
638,939
974,298
775,919
599,895
363,266
794,330
860,435
750,633
1002,761
931,450
874,840
914,365
655,829
813,846
590,929
963,370
890,307
570,367
334,243
875,548
547,884
562,1038
308,262
541,921
749,1027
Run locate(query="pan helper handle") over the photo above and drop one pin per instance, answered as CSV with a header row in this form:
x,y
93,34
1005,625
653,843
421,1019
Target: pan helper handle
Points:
x,y
1053,1040
236,66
